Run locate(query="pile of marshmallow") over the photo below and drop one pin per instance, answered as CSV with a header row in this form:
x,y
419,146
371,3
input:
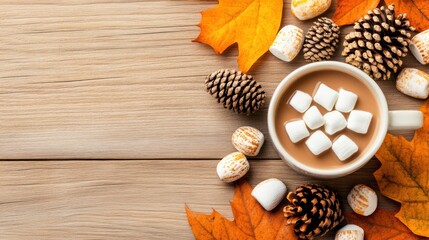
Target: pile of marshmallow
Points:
x,y
334,121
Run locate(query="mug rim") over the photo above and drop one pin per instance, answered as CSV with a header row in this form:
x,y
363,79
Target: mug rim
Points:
x,y
345,68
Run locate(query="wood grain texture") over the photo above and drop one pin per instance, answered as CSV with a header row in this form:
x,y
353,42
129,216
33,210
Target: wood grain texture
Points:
x,y
115,79
128,199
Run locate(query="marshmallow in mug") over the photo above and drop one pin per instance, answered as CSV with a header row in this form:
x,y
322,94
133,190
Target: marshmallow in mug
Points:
x,y
313,118
318,142
301,101
326,97
296,130
334,122
344,147
359,121
414,83
288,43
346,101
420,47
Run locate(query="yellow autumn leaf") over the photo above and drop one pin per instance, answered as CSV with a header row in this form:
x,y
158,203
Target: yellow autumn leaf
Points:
x,y
404,175
252,24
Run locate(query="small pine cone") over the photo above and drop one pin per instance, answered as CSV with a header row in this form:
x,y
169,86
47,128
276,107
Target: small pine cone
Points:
x,y
379,42
321,40
314,210
236,91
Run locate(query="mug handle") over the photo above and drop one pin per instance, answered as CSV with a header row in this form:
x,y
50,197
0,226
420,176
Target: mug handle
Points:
x,y
405,120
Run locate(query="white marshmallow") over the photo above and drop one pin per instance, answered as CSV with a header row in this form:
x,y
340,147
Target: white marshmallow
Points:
x,y
313,118
359,121
326,97
344,147
301,101
318,142
296,130
305,10
346,101
420,47
362,200
350,232
334,122
269,193
288,43
414,83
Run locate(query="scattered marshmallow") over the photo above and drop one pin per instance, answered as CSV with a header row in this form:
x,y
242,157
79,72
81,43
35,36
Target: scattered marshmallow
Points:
x,y
269,193
313,118
350,232
362,200
309,9
318,142
414,83
346,101
301,101
420,47
334,122
344,147
359,121
288,43
326,97
296,130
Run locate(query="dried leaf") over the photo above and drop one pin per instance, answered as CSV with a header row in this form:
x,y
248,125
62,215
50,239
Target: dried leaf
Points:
x,y
251,221
350,11
404,175
416,10
253,24
381,225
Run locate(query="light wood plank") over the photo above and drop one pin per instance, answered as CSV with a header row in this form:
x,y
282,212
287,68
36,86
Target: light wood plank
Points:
x,y
108,79
128,199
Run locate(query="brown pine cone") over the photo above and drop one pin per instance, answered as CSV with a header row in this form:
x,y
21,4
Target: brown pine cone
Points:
x,y
321,40
314,210
379,42
236,91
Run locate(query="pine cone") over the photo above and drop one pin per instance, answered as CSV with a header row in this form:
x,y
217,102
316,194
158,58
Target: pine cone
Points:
x,y
314,210
236,91
321,40
378,42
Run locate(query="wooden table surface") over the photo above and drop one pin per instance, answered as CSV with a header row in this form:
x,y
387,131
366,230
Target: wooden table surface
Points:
x,y
105,129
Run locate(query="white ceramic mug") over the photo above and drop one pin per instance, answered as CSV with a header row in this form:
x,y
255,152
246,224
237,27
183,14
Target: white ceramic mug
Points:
x,y
389,120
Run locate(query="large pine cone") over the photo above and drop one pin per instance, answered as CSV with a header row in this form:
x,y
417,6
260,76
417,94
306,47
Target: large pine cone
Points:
x,y
321,40
378,42
236,91
314,210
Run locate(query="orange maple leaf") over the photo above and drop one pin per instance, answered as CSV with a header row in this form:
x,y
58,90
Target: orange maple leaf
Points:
x,y
350,11
404,175
416,10
381,225
251,221
253,24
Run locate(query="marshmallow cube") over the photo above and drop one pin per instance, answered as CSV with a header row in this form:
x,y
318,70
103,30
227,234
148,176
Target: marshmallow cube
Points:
x,y
359,121
301,101
326,97
296,130
346,101
344,147
313,118
318,142
334,122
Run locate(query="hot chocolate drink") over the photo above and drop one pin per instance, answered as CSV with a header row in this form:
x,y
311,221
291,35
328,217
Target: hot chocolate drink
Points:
x,y
336,80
